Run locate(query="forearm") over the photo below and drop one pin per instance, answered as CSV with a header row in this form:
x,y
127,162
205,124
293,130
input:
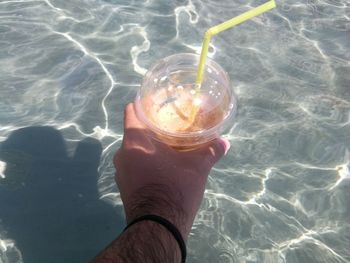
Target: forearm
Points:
x,y
148,241
161,200
145,241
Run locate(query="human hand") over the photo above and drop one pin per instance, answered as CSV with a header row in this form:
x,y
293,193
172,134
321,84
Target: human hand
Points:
x,y
154,178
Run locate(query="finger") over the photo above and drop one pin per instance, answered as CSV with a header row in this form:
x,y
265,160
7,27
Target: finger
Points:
x,y
131,120
116,158
136,134
216,149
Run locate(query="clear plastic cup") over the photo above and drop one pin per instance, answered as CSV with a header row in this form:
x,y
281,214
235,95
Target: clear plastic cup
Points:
x,y
168,104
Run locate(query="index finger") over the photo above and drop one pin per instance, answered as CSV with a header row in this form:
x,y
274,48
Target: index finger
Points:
x,y
131,120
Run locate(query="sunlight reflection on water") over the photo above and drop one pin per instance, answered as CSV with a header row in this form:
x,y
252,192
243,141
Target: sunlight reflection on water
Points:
x,y
281,194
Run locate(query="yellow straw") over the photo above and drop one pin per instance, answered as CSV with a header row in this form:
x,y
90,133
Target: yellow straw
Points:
x,y
222,27
214,31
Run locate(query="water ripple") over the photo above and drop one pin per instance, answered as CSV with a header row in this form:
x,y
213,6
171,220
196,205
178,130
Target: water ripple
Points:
x,y
281,194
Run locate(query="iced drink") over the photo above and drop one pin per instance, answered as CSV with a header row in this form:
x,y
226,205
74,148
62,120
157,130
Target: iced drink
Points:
x,y
178,115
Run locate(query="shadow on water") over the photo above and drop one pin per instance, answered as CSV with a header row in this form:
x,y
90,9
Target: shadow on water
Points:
x,y
49,203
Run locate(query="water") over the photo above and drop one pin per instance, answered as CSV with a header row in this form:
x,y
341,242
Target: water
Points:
x,y
281,194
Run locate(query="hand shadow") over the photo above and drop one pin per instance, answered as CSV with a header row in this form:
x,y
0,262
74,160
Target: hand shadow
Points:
x,y
49,203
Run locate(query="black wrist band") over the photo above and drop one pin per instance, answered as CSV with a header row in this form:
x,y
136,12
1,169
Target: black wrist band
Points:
x,y
169,226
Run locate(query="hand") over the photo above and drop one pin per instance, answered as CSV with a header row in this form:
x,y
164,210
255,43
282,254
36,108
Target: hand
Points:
x,y
154,178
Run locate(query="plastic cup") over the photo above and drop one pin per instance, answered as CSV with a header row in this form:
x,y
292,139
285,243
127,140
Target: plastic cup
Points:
x,y
168,104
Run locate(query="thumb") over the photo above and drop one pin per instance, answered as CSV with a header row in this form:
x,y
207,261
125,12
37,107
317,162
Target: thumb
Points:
x,y
218,148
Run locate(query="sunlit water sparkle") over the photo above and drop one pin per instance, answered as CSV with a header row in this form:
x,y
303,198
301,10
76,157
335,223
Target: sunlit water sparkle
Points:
x,y
282,192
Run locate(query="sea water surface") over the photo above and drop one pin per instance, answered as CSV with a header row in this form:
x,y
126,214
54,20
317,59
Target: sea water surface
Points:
x,y
68,68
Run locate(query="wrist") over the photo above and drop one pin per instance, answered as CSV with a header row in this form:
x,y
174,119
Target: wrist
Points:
x,y
161,201
150,236
171,228
145,241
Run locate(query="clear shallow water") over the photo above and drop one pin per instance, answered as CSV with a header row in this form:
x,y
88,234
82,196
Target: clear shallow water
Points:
x,y
281,194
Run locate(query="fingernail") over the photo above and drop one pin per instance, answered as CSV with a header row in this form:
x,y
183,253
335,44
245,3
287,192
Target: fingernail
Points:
x,y
227,145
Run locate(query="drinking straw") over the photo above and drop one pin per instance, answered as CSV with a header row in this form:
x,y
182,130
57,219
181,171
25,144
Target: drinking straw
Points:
x,y
214,31
222,27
